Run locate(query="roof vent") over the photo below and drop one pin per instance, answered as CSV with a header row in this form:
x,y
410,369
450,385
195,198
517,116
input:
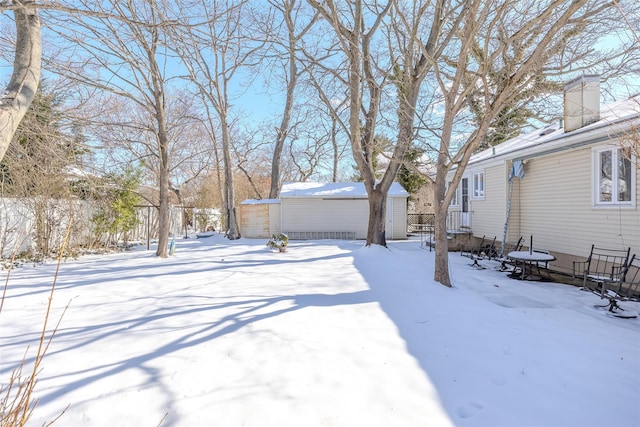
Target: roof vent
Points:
x,y
581,102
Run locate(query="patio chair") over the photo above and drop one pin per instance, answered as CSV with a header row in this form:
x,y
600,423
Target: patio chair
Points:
x,y
507,264
628,289
484,250
604,267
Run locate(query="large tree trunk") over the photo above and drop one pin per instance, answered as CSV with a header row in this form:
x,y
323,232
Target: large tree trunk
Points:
x,y
441,271
283,131
163,215
23,85
377,217
233,231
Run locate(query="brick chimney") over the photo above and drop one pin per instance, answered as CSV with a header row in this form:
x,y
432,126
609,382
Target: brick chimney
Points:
x,y
581,102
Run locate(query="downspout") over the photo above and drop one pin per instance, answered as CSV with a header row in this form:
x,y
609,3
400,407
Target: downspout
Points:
x,y
517,171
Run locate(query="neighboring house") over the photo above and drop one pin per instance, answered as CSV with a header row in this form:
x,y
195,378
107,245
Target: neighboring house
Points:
x,y
422,201
308,210
579,184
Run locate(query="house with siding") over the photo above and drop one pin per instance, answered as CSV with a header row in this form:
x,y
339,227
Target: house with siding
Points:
x,y
569,185
310,210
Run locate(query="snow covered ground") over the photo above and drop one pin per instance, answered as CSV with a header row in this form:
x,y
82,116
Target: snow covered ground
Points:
x,y
330,333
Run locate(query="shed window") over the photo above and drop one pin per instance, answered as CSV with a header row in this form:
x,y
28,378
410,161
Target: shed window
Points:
x,y
478,185
614,177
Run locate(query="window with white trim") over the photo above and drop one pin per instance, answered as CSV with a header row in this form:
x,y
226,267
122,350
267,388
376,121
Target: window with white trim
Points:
x,y
454,200
478,185
614,177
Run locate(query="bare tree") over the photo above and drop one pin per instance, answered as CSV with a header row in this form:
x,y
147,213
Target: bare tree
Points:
x,y
453,53
518,41
288,46
214,54
23,85
120,48
251,158
355,25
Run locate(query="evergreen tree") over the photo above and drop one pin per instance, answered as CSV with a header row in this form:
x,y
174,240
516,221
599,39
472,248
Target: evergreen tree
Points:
x,y
117,205
409,178
510,121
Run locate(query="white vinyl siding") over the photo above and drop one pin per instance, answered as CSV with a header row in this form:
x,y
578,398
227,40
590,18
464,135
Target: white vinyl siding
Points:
x,y
317,214
556,207
488,213
274,218
308,215
398,215
554,203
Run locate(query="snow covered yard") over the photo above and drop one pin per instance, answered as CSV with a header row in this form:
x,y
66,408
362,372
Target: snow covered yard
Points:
x,y
329,333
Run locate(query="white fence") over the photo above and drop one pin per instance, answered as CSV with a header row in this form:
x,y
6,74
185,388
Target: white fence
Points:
x,y
37,225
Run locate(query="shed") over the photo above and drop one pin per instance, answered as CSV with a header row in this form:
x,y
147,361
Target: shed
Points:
x,y
311,210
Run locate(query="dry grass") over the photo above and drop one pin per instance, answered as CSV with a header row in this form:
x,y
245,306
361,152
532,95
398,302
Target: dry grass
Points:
x,y
16,396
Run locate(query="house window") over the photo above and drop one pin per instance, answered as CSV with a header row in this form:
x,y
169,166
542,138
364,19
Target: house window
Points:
x,y
614,178
478,185
454,200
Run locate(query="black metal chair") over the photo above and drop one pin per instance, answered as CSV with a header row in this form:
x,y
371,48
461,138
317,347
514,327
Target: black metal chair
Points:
x,y
507,264
484,250
603,270
628,289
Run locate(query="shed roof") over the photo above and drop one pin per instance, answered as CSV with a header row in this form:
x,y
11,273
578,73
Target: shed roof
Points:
x,y
260,202
334,190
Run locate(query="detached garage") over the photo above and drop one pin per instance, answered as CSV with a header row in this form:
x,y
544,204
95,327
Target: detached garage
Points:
x,y
325,211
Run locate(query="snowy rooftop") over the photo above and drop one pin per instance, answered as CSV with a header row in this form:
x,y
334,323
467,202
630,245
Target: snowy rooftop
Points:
x,y
260,201
554,135
333,189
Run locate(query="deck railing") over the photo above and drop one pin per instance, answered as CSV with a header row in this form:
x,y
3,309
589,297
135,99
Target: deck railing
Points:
x,y
423,222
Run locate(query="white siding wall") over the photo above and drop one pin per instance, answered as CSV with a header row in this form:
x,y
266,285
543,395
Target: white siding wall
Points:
x,y
514,231
274,218
489,214
556,204
397,218
315,214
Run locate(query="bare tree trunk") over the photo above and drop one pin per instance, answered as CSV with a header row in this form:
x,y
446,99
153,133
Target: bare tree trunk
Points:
x,y
160,108
441,272
233,231
377,217
287,8
283,130
334,143
23,85
163,214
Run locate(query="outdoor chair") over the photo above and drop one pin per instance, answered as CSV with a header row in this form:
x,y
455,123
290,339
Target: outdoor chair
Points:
x,y
627,289
603,269
484,250
507,264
